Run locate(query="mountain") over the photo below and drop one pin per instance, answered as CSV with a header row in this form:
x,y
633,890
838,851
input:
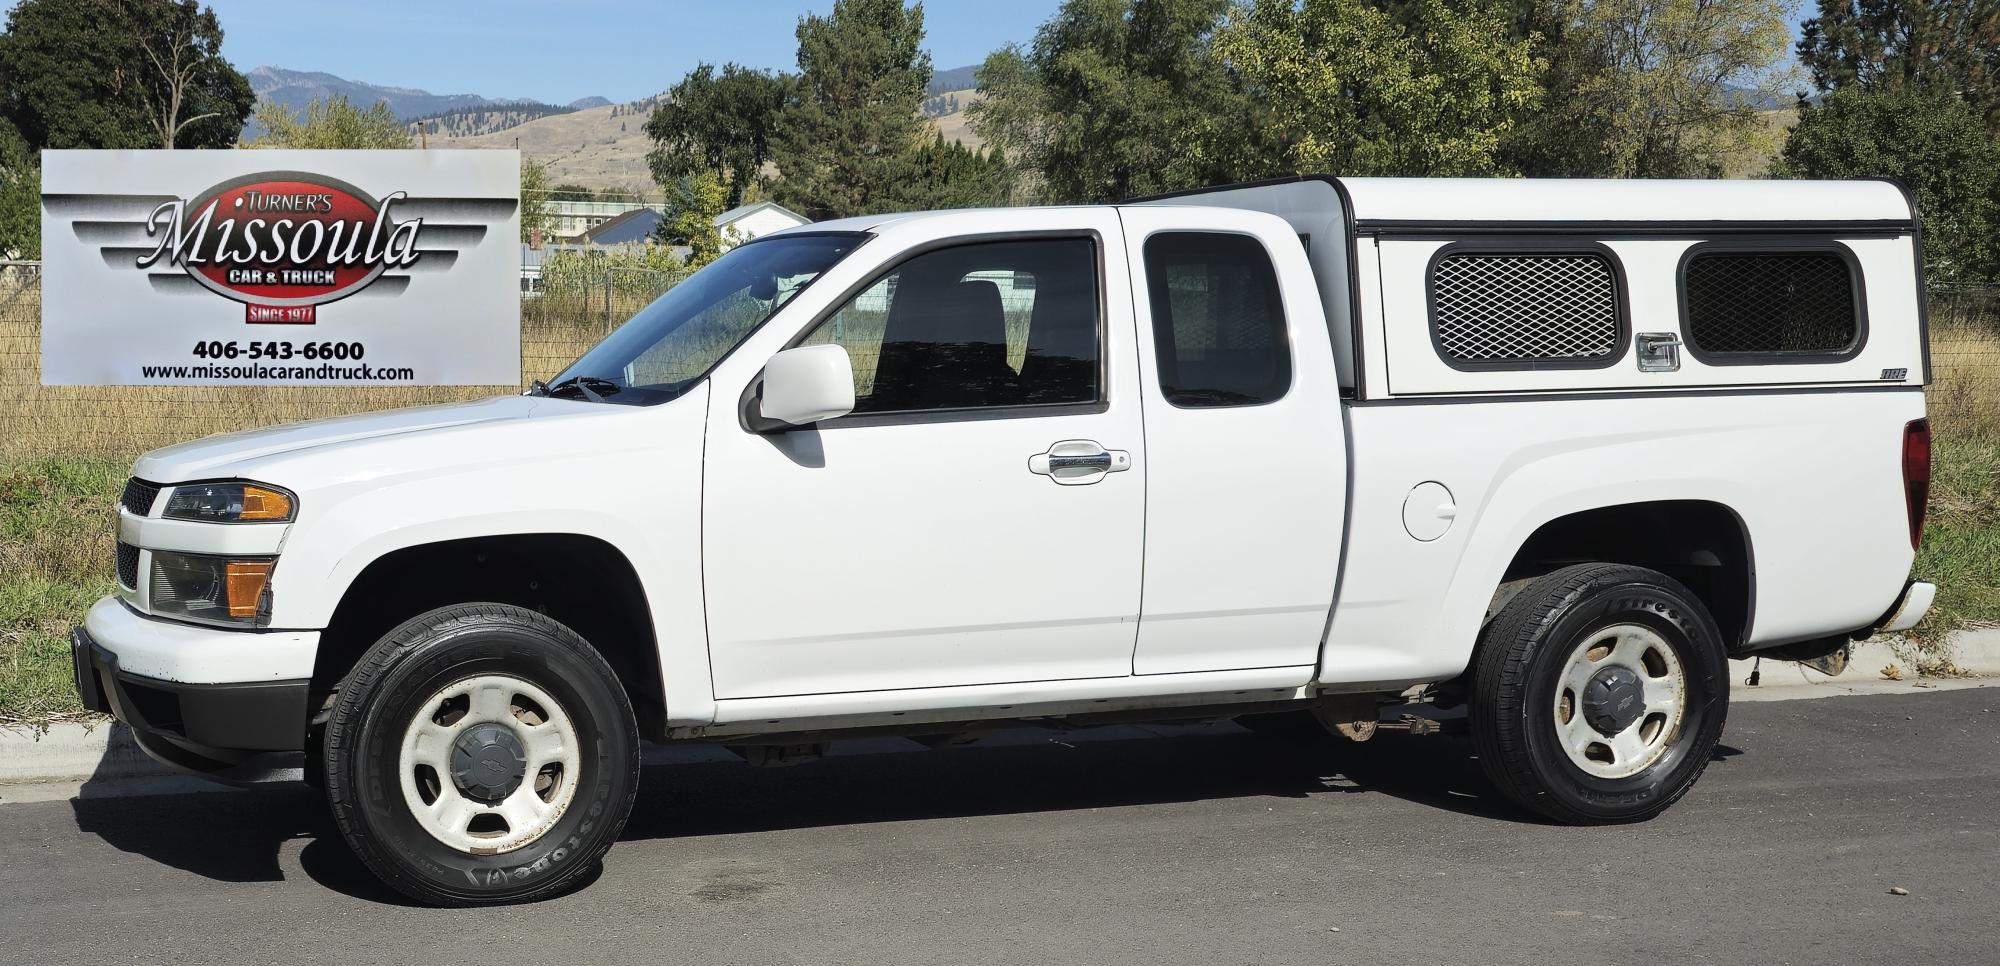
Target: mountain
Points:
x,y
592,141
953,79
483,119
296,88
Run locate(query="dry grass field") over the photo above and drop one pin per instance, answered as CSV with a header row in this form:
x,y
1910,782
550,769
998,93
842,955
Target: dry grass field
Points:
x,y
64,453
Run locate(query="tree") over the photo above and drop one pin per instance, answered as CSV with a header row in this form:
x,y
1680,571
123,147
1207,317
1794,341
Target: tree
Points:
x,y
947,174
847,134
1118,98
535,215
1662,88
331,123
1947,47
692,205
1563,136
570,191
1936,144
81,74
20,197
1428,88
190,85
721,124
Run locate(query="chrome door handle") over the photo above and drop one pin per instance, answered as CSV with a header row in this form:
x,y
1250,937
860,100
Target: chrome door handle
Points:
x,y
1100,461
1074,462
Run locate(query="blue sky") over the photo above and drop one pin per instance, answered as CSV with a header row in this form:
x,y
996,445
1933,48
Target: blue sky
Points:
x,y
561,50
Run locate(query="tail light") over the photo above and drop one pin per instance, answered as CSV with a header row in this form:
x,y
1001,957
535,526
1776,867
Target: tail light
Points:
x,y
1917,475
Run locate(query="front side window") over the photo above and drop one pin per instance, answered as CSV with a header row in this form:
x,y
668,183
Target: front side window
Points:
x,y
992,324
675,341
1218,321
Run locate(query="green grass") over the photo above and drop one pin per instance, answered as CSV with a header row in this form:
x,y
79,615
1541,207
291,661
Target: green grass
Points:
x,y
56,523
1961,549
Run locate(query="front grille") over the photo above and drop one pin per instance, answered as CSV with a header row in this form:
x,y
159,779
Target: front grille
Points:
x,y
1507,310
139,495
128,566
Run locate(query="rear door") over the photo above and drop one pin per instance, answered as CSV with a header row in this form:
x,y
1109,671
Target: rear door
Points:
x,y
1247,466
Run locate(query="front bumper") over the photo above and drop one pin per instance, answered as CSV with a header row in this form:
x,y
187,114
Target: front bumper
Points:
x,y
232,731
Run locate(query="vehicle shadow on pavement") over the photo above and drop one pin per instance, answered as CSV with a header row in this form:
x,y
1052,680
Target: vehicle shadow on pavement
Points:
x,y
239,836
1054,771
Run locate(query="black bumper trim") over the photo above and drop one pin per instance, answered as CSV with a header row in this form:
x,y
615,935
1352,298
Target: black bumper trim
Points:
x,y
223,730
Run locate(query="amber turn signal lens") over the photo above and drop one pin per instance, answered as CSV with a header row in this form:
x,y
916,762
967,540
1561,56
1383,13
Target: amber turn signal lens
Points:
x,y
264,504
245,581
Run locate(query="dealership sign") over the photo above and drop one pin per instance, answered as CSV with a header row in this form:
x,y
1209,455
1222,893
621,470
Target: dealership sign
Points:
x,y
280,267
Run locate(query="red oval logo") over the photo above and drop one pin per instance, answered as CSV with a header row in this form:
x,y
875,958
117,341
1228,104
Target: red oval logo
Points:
x,y
283,238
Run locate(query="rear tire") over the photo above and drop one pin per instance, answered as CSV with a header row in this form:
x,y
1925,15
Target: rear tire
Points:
x,y
481,754
1599,694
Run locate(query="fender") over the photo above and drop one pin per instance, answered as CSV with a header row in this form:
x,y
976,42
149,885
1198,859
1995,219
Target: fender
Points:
x,y
643,499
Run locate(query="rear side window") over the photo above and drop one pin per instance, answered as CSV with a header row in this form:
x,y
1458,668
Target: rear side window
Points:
x,y
1514,309
1218,321
1771,306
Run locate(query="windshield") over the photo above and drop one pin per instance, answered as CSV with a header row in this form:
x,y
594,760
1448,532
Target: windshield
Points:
x,y
673,342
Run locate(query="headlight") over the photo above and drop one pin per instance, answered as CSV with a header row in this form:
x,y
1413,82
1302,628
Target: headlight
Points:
x,y
229,503
217,589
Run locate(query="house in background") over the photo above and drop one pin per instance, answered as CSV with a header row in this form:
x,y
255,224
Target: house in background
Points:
x,y
737,225
744,222
636,228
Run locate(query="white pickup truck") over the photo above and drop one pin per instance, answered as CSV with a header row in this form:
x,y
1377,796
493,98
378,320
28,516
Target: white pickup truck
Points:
x,y
1549,450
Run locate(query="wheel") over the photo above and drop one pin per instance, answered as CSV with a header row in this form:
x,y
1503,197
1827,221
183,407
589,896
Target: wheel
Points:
x,y
479,754
1599,694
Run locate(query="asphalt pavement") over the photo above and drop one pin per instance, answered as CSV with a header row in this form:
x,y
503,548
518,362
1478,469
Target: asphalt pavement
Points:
x,y
1207,845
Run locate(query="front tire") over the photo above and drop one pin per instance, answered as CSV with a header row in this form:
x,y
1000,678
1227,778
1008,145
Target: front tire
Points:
x,y
1599,694
479,754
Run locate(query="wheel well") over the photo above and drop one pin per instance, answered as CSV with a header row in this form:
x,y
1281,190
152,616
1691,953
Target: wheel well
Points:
x,y
1701,544
584,582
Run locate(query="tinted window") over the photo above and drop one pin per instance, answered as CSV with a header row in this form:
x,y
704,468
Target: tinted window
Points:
x,y
1770,303
1218,323
973,326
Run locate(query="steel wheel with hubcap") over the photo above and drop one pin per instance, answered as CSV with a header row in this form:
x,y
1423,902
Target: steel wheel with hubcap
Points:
x,y
481,753
1599,693
467,760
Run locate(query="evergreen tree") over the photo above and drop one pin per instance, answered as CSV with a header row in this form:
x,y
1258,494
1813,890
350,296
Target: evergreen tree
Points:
x,y
847,138
1947,47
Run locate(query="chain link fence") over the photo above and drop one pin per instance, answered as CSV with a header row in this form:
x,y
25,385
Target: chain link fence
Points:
x,y
119,422
1964,396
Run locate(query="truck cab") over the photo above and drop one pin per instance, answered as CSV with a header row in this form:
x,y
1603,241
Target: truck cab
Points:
x,y
1309,448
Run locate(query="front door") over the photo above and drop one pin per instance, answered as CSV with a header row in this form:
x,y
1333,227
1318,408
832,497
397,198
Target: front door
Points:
x,y
978,519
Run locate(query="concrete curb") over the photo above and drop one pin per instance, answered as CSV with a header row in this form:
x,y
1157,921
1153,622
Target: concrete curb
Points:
x,y
73,758
71,751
